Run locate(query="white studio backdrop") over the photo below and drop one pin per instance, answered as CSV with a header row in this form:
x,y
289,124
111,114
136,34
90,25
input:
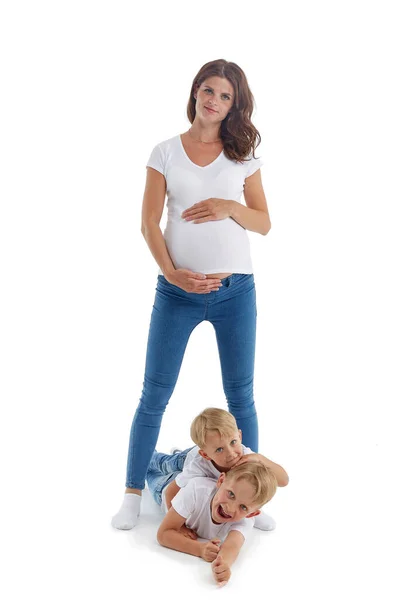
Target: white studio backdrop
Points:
x,y
88,89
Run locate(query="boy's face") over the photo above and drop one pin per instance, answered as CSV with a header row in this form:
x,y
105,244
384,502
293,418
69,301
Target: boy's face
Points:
x,y
233,501
224,451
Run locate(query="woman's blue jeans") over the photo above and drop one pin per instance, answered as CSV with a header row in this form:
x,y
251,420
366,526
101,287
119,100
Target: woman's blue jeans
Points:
x,y
232,311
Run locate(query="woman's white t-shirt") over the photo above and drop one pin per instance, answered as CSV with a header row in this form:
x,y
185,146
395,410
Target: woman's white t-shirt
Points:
x,y
215,246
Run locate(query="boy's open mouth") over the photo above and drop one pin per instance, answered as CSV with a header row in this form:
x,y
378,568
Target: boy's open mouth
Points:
x,y
223,514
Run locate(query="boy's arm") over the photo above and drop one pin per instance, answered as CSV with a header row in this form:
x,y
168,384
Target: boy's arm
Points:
x,y
170,492
279,472
169,535
231,547
228,553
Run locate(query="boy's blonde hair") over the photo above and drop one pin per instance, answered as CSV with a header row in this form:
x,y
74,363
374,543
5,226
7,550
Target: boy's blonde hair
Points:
x,y
259,476
212,419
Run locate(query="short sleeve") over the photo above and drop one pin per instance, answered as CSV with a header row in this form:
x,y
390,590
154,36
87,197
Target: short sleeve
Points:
x,y
193,469
253,165
157,160
245,526
184,477
185,501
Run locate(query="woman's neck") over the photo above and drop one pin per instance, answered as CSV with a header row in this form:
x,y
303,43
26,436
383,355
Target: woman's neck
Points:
x,y
205,134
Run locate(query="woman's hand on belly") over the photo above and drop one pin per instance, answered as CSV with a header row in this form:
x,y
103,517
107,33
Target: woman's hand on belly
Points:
x,y
194,283
212,209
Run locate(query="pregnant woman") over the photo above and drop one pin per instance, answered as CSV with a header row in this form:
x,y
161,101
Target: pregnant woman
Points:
x,y
205,268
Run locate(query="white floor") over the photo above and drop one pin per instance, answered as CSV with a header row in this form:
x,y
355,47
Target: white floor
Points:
x,y
336,537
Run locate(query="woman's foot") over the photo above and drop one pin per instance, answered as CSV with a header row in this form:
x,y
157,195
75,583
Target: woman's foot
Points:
x,y
128,514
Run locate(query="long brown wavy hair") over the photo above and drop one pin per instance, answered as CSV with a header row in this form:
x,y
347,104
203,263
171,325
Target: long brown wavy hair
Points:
x,y
238,134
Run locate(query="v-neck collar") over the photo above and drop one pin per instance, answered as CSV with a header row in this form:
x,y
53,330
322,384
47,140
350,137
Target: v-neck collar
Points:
x,y
194,164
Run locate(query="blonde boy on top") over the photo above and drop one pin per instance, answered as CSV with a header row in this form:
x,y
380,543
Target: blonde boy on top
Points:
x,y
218,449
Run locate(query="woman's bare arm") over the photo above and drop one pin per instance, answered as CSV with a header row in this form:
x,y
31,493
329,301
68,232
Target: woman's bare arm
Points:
x,y
254,216
152,209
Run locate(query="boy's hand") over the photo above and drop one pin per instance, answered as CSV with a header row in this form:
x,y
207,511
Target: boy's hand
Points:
x,y
221,571
249,458
279,472
189,533
209,550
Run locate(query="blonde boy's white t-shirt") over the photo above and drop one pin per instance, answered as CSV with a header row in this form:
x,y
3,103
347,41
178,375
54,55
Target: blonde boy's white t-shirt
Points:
x,y
193,502
197,466
215,246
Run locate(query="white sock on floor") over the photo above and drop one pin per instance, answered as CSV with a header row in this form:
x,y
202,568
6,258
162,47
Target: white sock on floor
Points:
x,y
127,516
264,522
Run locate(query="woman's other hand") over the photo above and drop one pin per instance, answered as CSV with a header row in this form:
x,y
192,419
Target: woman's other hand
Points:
x,y
194,283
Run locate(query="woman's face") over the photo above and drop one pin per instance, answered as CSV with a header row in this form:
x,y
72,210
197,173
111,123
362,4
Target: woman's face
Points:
x,y
214,99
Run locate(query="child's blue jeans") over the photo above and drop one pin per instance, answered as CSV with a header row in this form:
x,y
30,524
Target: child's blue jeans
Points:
x,y
163,469
232,311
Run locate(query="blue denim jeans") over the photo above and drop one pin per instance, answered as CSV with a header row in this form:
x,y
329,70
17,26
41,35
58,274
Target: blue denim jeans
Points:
x,y
163,469
232,311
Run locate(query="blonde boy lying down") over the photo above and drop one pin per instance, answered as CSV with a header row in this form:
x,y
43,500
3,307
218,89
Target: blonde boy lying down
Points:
x,y
219,511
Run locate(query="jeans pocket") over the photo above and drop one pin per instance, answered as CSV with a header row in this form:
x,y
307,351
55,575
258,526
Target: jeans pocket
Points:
x,y
165,286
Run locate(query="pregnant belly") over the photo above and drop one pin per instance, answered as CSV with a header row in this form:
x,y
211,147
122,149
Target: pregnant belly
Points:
x,y
212,248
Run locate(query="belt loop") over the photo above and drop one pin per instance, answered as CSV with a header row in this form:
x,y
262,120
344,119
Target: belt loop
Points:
x,y
229,281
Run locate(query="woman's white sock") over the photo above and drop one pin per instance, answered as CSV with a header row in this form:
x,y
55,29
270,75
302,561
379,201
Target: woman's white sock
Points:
x,y
127,516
